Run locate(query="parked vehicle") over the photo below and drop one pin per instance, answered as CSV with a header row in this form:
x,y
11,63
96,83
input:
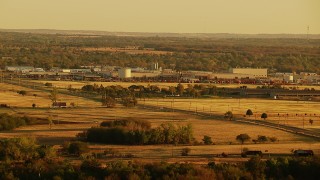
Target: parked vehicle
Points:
x,y
303,153
251,153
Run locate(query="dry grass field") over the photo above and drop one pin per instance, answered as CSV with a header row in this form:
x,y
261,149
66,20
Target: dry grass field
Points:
x,y
299,112
9,96
222,132
88,113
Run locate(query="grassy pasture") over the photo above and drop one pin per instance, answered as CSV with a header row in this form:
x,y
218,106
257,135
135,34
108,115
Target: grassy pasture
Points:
x,y
223,132
9,96
299,112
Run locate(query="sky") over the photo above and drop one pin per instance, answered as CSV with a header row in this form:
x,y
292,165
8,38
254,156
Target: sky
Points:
x,y
179,16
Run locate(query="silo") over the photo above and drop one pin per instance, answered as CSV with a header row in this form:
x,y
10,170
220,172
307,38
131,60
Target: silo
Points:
x,y
124,73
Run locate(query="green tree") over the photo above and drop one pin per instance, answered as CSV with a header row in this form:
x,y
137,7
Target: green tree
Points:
x,y
78,148
48,84
249,112
23,92
228,115
129,101
243,138
108,101
262,139
207,140
185,151
172,90
264,116
18,149
311,121
256,167
54,95
180,89
273,139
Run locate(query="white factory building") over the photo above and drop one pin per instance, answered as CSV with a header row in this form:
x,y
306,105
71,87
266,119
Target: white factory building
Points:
x,y
255,72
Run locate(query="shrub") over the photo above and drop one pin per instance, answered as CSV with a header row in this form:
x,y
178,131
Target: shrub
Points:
x,y
22,92
78,148
243,137
249,112
185,151
273,139
224,154
19,149
207,140
8,122
46,151
262,139
228,115
129,101
48,84
109,102
245,149
264,116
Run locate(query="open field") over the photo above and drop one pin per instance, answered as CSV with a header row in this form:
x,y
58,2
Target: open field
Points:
x,y
9,96
299,112
222,132
70,121
86,118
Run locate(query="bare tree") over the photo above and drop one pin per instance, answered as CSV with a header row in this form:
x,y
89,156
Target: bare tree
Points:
x,y
54,95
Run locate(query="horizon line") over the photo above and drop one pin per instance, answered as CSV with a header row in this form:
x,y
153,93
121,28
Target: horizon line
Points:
x,y
147,32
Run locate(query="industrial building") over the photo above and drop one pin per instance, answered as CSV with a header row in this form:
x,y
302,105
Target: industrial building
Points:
x,y
124,73
21,69
255,72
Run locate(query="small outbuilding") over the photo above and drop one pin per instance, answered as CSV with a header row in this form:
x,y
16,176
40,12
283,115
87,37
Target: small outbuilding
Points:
x,y
59,105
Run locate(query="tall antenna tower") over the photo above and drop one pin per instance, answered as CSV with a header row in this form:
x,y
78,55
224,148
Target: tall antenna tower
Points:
x,y
308,29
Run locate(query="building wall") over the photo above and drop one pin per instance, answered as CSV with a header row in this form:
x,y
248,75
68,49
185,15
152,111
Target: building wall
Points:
x,y
251,71
145,74
230,76
124,73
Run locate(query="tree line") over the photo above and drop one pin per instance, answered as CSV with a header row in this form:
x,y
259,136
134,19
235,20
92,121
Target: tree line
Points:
x,y
9,122
23,158
140,91
138,132
206,54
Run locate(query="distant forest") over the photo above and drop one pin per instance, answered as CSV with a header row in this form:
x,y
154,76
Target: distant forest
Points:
x,y
184,53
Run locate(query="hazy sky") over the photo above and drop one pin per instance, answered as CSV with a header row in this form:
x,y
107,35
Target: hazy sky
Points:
x,y
195,16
